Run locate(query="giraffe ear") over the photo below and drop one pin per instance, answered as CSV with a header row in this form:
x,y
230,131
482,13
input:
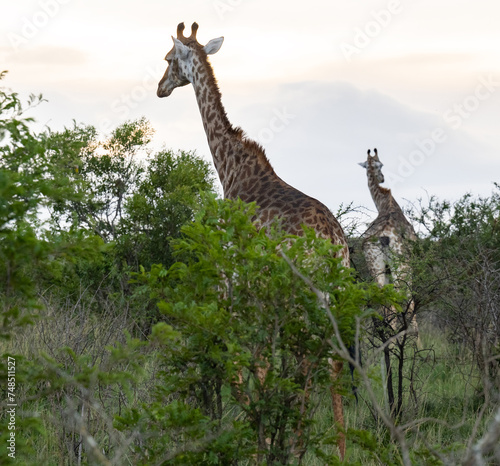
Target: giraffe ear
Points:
x,y
213,46
180,49
363,164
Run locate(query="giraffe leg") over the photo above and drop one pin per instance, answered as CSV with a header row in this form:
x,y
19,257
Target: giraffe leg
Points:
x,y
240,395
338,409
260,372
298,450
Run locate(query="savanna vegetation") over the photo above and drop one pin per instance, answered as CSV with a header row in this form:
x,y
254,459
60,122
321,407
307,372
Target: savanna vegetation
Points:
x,y
146,321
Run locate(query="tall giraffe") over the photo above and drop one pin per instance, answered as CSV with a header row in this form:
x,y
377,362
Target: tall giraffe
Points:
x,y
383,241
242,165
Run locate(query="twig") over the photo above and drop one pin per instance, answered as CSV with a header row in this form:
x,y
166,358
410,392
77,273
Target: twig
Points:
x,y
486,445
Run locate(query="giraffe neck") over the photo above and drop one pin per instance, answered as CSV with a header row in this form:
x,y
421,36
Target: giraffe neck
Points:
x,y
382,197
230,150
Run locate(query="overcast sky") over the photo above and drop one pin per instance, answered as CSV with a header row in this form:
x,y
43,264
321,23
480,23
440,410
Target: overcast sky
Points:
x,y
316,82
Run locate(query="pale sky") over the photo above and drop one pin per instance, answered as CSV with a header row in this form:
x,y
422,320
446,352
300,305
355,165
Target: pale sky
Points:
x,y
317,83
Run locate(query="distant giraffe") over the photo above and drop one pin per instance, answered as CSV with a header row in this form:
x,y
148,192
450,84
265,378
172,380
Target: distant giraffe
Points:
x,y
242,166
383,241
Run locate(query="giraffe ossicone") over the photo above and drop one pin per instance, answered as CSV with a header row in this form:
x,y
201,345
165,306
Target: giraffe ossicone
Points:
x,y
242,165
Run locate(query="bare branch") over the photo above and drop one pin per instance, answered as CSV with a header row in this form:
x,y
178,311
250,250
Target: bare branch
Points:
x,y
396,432
486,445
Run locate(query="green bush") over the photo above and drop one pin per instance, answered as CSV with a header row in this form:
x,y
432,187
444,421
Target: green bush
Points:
x,y
245,345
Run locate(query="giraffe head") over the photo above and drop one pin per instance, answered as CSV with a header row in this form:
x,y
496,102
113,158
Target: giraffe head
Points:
x,y
374,166
182,59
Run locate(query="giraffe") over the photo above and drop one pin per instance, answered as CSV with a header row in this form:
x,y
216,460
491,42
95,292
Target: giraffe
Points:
x,y
242,165
384,239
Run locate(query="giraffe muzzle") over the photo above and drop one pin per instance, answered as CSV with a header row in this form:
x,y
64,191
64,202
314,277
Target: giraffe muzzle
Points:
x,y
164,89
163,92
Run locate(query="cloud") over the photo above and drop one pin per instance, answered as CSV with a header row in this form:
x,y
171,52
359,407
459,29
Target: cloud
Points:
x,y
47,55
334,124
314,129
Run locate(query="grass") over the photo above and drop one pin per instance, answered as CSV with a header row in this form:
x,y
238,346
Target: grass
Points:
x,y
448,400
448,405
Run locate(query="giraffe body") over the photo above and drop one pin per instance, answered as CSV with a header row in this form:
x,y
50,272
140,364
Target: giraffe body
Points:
x,y
242,165
384,240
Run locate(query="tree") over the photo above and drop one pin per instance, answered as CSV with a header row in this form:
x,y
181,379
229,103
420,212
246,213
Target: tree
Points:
x,y
103,174
244,333
26,185
130,197
166,198
457,269
23,188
